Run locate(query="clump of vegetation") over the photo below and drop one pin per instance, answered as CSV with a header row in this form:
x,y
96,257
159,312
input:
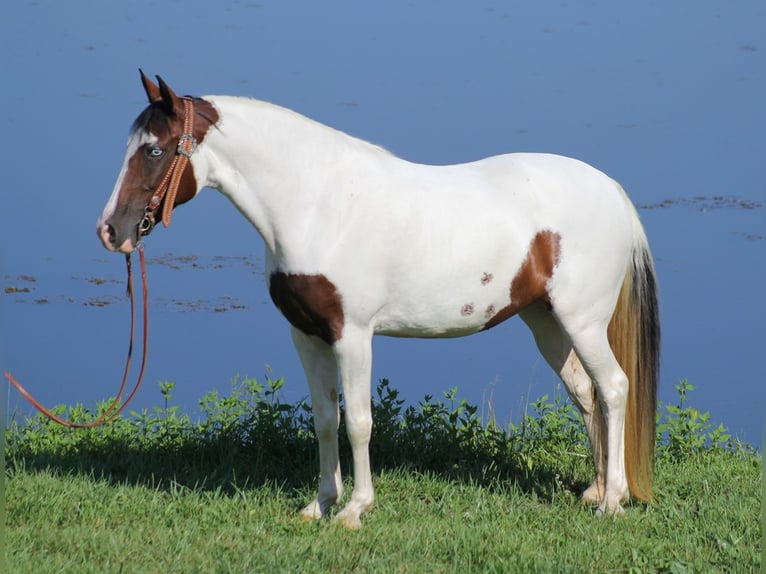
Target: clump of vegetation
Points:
x,y
455,492
252,435
683,430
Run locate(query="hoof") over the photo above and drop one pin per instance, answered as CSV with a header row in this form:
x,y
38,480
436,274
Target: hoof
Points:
x,y
307,518
348,519
311,513
605,509
594,494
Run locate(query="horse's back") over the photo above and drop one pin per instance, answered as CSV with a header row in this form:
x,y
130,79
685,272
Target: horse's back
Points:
x,y
499,204
461,235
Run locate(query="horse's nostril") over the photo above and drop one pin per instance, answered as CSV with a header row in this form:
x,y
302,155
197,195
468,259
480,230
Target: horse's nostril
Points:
x,y
107,235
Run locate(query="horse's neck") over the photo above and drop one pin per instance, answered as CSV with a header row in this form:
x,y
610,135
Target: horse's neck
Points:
x,y
273,163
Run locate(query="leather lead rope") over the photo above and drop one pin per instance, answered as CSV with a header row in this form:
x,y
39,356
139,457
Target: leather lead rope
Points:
x,y
167,190
116,408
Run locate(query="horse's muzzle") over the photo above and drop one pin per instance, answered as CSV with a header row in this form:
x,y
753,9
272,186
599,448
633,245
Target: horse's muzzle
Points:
x,y
106,233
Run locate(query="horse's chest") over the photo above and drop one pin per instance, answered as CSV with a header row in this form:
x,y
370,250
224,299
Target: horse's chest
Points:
x,y
311,303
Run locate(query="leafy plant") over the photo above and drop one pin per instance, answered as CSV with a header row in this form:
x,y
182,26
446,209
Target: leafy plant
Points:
x,y
684,430
251,432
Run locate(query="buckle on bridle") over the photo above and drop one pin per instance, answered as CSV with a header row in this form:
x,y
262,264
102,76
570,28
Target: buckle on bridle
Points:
x,y
187,144
146,224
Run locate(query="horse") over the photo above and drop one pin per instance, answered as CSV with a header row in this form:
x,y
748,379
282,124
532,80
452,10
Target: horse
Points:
x,y
360,242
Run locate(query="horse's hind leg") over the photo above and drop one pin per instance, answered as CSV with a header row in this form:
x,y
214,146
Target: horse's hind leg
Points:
x,y
556,348
593,349
322,375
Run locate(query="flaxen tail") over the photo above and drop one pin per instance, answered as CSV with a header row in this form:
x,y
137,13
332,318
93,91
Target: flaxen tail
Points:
x,y
634,335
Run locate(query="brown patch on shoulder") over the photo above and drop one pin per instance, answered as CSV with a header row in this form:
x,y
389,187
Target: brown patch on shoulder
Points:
x,y
311,303
531,281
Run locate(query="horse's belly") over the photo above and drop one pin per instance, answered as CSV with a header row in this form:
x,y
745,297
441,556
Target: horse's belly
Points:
x,y
445,312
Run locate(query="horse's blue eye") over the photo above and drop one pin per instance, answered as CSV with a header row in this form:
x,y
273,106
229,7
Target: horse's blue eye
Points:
x,y
154,151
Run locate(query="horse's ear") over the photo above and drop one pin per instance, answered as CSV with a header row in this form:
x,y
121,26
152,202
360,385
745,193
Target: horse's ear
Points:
x,y
171,102
151,89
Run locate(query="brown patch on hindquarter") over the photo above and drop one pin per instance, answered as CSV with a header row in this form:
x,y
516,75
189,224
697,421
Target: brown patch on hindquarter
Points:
x,y
531,281
311,303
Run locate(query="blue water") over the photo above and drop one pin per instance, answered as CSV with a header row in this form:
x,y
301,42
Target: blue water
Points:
x,y
667,98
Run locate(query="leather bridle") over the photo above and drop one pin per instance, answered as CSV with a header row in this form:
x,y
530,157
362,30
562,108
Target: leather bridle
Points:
x,y
168,187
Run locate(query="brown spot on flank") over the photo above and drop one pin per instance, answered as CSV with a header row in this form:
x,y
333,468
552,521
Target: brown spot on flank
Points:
x,y
467,310
486,278
311,303
489,312
531,281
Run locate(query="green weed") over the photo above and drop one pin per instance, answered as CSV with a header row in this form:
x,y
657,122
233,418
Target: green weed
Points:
x,y
683,430
252,428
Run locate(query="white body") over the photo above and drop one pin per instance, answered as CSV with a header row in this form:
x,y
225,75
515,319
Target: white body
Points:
x,y
414,239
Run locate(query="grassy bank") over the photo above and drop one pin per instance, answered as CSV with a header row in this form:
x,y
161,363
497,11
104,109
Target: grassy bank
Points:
x,y
157,492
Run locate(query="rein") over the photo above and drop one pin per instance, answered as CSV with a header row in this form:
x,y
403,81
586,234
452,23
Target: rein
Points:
x,y
115,409
167,190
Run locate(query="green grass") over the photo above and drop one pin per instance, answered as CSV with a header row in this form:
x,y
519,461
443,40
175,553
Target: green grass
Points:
x,y
157,492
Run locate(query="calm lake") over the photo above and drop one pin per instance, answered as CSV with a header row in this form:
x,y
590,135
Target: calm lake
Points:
x,y
667,98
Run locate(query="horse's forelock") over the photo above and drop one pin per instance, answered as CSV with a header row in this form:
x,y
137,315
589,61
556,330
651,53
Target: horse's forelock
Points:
x,y
154,119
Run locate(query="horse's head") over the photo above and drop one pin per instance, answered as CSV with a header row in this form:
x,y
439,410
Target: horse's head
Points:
x,y
162,141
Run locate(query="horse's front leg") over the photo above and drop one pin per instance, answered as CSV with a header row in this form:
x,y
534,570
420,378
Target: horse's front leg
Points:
x,y
354,356
322,375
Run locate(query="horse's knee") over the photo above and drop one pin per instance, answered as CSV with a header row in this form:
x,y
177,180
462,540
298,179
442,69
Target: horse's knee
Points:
x,y
326,419
358,427
578,383
613,391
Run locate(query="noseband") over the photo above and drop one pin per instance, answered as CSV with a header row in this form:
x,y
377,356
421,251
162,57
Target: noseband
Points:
x,y
187,144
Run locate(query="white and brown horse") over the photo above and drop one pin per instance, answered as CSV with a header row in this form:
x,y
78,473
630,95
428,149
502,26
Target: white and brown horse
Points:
x,y
360,242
